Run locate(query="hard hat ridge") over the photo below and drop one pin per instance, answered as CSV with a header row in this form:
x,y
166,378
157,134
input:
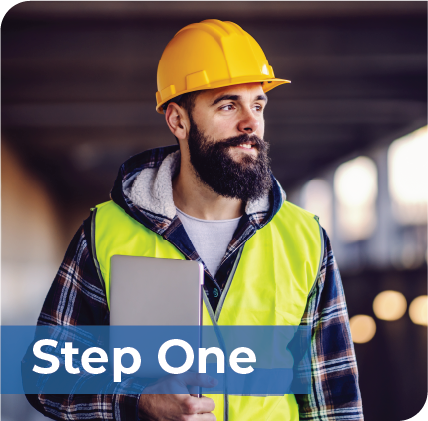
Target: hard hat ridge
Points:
x,y
211,54
216,27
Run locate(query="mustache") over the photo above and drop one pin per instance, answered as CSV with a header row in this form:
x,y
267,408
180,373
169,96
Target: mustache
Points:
x,y
255,141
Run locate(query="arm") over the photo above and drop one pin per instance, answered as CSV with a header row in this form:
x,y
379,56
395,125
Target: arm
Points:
x,y
77,298
335,391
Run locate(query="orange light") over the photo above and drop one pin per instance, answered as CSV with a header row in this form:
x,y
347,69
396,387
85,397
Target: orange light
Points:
x,y
363,328
389,305
418,310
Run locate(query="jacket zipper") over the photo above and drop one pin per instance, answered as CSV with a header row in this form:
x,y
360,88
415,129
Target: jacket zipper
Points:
x,y
216,316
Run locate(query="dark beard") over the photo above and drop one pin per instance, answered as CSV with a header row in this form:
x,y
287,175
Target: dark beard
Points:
x,y
247,180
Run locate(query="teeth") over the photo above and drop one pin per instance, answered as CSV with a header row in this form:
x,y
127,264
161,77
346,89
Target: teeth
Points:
x,y
244,145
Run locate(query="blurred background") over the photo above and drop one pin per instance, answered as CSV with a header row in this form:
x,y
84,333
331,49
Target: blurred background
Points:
x,y
348,142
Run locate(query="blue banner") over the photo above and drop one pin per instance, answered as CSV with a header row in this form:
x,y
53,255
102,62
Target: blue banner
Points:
x,y
245,360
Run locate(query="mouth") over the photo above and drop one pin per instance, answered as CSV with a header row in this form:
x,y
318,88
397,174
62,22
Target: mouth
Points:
x,y
247,146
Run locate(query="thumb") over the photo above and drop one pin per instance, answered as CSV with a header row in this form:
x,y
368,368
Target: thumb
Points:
x,y
197,379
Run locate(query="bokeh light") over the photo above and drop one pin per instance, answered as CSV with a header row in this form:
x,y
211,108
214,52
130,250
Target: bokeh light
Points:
x,y
418,310
355,185
389,305
317,197
408,175
363,328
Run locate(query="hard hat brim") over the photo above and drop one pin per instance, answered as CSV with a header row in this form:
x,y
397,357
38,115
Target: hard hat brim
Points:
x,y
267,85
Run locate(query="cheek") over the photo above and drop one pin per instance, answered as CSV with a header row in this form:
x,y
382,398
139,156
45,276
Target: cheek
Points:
x,y
261,129
221,128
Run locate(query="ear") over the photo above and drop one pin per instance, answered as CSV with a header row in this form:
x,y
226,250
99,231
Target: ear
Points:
x,y
178,121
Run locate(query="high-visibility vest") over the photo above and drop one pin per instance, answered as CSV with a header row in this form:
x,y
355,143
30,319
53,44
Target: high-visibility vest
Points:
x,y
272,279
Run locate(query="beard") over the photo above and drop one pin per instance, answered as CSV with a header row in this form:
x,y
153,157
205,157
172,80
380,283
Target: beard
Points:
x,y
246,180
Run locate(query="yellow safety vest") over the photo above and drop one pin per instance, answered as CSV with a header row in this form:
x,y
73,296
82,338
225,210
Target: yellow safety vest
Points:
x,y
272,279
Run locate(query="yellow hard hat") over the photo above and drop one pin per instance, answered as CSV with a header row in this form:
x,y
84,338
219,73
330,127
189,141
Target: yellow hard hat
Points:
x,y
209,55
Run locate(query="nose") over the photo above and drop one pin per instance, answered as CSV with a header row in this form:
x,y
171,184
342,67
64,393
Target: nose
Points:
x,y
248,123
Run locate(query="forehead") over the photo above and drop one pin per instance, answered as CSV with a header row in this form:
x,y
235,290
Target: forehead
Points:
x,y
246,91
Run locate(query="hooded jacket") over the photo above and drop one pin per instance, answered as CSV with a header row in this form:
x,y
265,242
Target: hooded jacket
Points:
x,y
143,189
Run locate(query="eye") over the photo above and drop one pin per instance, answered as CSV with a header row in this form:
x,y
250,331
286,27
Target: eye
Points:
x,y
258,107
227,107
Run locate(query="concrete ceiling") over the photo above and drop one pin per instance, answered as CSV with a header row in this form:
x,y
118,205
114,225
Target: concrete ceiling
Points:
x,y
79,82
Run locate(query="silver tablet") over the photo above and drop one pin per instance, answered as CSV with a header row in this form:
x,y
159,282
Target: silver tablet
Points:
x,y
149,291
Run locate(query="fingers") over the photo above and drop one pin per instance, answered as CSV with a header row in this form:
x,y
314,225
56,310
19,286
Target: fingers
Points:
x,y
196,379
192,405
176,407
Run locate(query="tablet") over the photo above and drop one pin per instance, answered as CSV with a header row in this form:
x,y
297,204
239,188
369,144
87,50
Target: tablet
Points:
x,y
147,291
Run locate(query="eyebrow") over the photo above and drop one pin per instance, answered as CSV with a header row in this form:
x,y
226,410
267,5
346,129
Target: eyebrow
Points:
x,y
237,98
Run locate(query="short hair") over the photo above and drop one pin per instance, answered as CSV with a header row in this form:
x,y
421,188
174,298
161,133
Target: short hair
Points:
x,y
186,101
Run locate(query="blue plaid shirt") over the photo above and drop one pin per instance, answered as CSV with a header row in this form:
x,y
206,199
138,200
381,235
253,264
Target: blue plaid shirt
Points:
x,y
76,297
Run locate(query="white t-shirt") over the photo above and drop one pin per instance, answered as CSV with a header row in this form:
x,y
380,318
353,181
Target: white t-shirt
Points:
x,y
210,238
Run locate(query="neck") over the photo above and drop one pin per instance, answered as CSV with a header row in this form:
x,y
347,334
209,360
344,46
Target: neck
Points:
x,y
195,198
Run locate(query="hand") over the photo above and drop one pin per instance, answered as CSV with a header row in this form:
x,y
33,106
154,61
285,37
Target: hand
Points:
x,y
156,405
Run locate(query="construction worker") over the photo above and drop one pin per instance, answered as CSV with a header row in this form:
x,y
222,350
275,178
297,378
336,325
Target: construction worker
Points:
x,y
212,198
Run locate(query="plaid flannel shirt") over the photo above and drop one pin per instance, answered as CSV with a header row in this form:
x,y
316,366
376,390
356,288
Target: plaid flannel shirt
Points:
x,y
76,297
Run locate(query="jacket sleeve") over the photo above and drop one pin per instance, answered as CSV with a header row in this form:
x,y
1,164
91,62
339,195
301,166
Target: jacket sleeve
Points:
x,y
76,297
335,394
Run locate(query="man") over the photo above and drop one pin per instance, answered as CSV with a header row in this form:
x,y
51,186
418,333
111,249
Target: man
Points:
x,y
213,199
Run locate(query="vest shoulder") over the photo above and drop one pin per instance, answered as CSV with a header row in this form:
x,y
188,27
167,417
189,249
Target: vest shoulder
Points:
x,y
108,210
109,203
289,208
111,209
